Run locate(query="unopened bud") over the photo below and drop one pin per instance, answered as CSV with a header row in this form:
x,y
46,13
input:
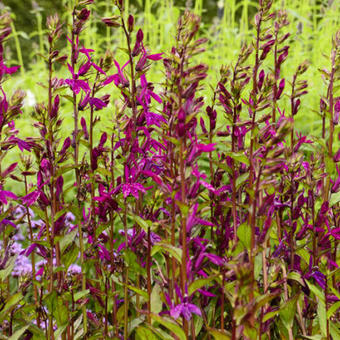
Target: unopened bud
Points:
x,y
111,22
130,23
140,36
296,106
55,107
281,88
84,14
261,79
323,105
181,129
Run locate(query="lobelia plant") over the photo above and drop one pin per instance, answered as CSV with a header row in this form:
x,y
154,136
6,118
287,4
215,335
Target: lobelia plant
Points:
x,y
157,227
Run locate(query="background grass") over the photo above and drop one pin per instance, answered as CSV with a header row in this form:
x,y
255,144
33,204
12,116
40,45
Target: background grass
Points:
x,y
226,23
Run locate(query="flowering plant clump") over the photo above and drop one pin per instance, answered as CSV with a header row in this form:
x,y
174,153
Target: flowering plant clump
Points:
x,y
185,218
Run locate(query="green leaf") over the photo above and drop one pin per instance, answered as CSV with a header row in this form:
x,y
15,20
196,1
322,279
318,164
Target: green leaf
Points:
x,y
135,323
287,312
296,277
197,284
37,332
219,335
145,224
37,211
81,294
316,291
169,248
50,300
61,312
172,140
17,334
104,171
143,333
67,239
258,266
65,168
314,337
59,332
156,302
335,292
239,157
335,198
241,179
70,257
4,273
183,207
131,261
170,325
12,301
321,311
261,300
223,166
244,234
139,292
270,315
198,322
160,333
330,165
334,330
332,309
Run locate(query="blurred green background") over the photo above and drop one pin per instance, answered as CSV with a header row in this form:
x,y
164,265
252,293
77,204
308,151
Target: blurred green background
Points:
x,y
226,23
29,15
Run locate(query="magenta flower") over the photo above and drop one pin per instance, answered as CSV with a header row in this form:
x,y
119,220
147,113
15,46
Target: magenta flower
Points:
x,y
144,99
6,194
7,70
186,310
30,198
132,189
76,84
22,145
118,78
97,103
3,68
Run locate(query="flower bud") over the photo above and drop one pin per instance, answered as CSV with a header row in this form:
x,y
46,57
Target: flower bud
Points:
x,y
84,128
84,14
261,79
130,23
55,107
181,116
111,22
296,106
204,129
181,129
323,105
280,89
140,36
66,145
